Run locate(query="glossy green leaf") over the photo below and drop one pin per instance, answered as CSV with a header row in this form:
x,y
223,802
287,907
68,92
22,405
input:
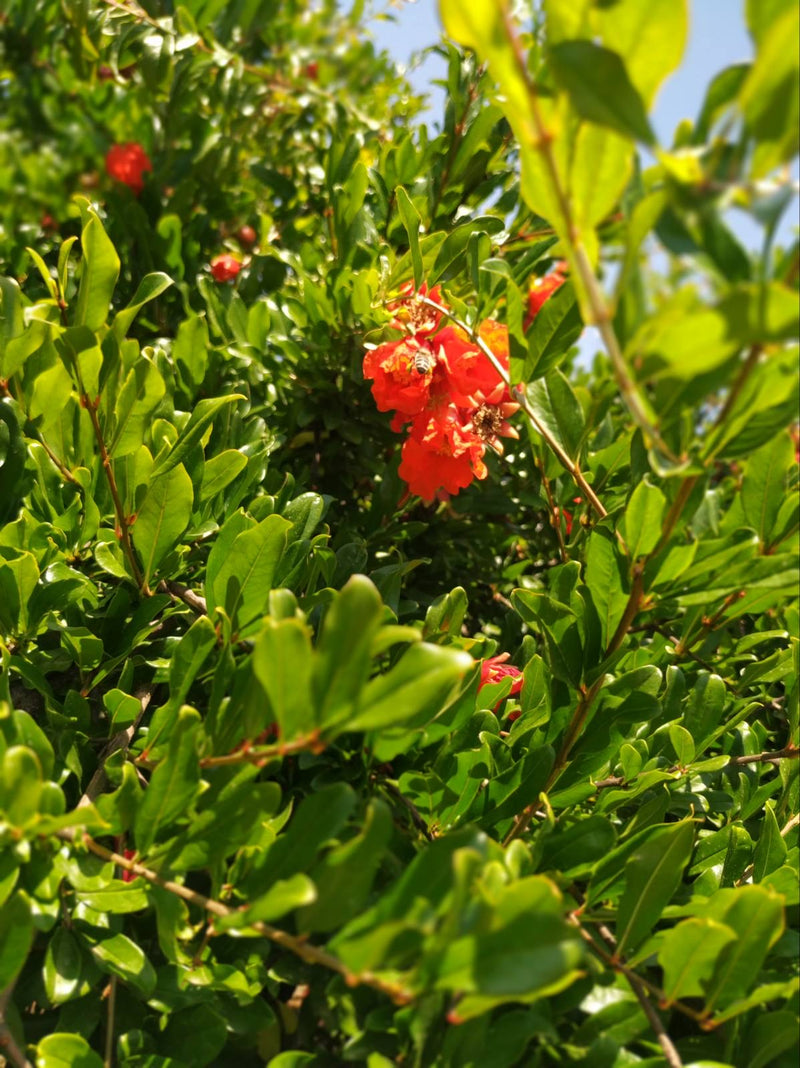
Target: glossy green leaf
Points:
x,y
688,955
16,936
241,583
201,418
411,222
344,651
652,875
414,691
150,287
63,1050
162,518
282,662
173,784
641,525
599,88
99,272
764,484
120,956
756,916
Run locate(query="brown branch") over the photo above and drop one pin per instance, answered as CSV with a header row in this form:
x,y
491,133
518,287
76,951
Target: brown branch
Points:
x,y
789,753
121,740
294,944
311,743
8,1043
179,592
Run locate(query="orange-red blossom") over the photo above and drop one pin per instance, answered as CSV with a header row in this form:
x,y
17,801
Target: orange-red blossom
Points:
x,y
440,381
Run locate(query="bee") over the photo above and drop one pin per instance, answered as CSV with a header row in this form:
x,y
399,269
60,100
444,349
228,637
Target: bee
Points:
x,y
424,361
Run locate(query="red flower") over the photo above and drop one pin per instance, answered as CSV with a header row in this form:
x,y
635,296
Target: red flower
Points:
x,y
542,289
441,456
495,669
127,163
225,267
469,369
402,373
414,315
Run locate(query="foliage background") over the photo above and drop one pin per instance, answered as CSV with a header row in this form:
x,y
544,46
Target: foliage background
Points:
x,y
214,705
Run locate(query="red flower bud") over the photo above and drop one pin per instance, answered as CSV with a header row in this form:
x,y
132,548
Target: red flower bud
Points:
x,y
246,236
127,163
225,267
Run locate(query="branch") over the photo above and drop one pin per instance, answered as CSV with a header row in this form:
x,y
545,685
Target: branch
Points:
x,y
121,740
295,944
789,753
601,316
521,398
8,1043
178,592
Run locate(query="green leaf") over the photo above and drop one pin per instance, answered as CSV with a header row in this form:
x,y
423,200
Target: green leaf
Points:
x,y
411,222
769,96
283,896
141,393
599,88
120,955
244,578
555,405
344,651
63,967
16,937
150,287
770,852
20,785
502,959
688,956
650,38
652,875
584,842
641,524
344,876
414,691
194,1035
99,272
201,418
555,330
62,1050
770,1034
756,916
220,471
682,743
173,784
604,581
765,484
163,517
318,817
282,660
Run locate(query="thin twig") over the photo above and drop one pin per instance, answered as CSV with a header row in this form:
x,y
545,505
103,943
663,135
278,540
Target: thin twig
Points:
x,y
8,1043
416,818
121,740
521,398
295,944
789,753
108,1058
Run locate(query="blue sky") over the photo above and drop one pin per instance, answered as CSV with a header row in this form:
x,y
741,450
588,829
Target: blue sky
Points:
x,y
717,37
